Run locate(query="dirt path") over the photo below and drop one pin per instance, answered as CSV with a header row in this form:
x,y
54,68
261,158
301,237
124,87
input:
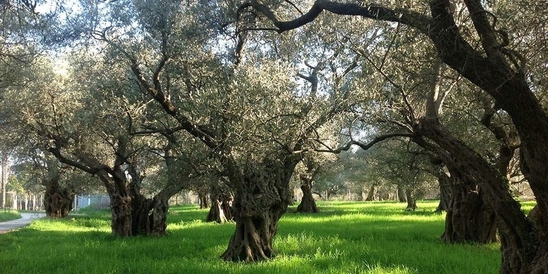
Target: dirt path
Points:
x,y
26,219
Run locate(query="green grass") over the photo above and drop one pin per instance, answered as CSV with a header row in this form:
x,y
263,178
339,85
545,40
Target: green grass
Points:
x,y
8,215
344,237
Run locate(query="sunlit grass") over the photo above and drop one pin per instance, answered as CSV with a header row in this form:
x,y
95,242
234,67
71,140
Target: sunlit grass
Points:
x,y
343,238
8,215
527,206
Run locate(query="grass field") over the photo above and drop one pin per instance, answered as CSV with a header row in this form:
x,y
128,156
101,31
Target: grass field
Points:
x,y
8,215
345,237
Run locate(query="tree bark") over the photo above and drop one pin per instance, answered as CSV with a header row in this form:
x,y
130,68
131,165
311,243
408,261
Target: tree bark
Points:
x,y
203,200
307,205
468,218
58,200
402,198
149,215
371,193
262,197
445,192
518,238
121,221
221,203
411,202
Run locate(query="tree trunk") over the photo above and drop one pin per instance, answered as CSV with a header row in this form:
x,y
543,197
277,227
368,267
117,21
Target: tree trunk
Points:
x,y
121,212
58,200
307,205
371,193
158,217
262,197
4,177
149,216
132,213
221,203
445,192
518,238
402,198
14,201
468,218
121,202
539,263
141,222
220,211
411,202
203,200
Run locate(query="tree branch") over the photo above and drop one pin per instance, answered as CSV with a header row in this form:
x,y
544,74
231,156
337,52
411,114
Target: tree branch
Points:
x,y
200,132
372,11
364,146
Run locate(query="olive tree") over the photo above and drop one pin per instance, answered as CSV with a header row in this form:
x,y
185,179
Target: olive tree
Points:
x,y
496,69
257,120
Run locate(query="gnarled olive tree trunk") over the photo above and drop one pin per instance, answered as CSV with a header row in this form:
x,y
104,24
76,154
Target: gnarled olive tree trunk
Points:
x,y
411,201
308,204
401,194
519,240
445,192
58,200
370,194
262,197
121,205
221,203
203,200
468,218
132,213
149,215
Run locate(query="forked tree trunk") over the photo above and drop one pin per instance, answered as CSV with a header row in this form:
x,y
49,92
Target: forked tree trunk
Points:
x,y
149,216
411,201
132,213
468,218
217,212
121,202
371,193
518,238
58,201
203,200
262,197
402,198
140,214
445,192
307,205
121,220
221,204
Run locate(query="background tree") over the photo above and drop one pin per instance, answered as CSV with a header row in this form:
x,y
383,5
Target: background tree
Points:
x,y
310,168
